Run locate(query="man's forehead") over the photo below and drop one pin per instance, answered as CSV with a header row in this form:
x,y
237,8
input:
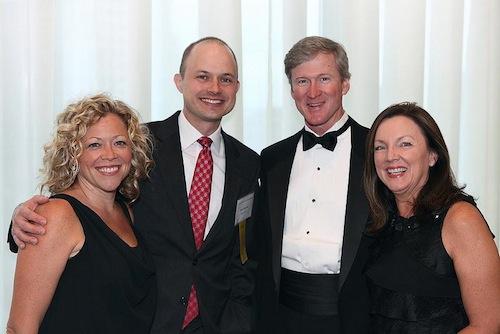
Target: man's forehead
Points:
x,y
315,67
198,62
206,46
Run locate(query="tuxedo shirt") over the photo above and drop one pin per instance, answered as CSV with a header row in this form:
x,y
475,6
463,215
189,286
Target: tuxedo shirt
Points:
x,y
316,206
276,169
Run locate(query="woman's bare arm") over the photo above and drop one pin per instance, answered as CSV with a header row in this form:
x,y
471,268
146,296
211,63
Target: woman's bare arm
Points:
x,y
39,267
469,243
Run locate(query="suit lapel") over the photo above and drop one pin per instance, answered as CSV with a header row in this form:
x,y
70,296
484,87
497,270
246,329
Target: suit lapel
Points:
x,y
357,208
232,185
278,180
278,177
172,173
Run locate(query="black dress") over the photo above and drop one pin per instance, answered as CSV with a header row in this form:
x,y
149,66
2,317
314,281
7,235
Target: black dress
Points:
x,y
413,284
108,287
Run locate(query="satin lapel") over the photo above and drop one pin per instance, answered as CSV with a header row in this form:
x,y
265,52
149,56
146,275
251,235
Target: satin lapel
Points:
x,y
278,177
170,158
232,184
357,205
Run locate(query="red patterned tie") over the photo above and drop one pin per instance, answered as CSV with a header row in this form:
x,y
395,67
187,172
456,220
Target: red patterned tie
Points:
x,y
199,200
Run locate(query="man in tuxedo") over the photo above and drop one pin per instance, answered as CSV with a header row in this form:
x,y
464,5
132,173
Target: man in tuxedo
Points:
x,y
187,207
313,205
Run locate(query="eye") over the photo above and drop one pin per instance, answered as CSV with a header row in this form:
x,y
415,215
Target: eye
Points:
x,y
94,145
202,76
379,147
226,80
121,143
301,82
406,144
324,79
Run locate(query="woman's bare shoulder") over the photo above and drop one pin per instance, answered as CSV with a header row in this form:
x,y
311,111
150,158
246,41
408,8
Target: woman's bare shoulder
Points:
x,y
464,216
464,225
61,219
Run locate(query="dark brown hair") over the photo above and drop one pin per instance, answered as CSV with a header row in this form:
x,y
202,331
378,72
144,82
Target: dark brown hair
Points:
x,y
441,188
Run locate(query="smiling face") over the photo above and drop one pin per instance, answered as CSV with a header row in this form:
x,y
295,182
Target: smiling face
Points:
x,y
402,157
209,85
106,155
318,89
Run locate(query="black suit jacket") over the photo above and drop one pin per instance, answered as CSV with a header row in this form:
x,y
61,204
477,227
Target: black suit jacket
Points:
x,y
224,285
276,165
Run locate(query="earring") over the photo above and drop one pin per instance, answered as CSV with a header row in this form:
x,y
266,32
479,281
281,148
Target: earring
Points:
x,y
74,168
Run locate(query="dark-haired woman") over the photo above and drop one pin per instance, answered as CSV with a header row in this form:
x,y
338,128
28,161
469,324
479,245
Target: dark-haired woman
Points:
x,y
434,266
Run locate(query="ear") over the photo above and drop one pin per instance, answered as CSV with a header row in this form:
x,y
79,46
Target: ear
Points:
x,y
292,93
433,158
237,86
178,82
346,84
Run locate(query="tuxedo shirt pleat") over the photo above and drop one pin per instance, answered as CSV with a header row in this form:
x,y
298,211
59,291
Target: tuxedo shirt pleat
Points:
x,y
316,207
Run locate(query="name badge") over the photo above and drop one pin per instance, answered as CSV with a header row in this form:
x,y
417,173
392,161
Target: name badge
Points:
x,y
243,212
243,208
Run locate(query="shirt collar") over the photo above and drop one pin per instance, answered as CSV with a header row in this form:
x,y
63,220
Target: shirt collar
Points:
x,y
189,134
334,127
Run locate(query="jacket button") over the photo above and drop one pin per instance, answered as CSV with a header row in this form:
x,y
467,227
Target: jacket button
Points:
x,y
183,300
195,261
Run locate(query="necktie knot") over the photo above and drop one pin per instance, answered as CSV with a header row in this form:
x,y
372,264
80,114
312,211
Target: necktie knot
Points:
x,y
328,140
205,142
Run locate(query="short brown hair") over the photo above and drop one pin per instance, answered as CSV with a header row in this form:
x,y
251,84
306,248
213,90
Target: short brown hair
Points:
x,y
441,188
309,47
60,161
187,52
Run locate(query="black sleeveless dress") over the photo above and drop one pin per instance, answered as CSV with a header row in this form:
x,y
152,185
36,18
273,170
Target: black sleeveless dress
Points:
x,y
412,281
108,287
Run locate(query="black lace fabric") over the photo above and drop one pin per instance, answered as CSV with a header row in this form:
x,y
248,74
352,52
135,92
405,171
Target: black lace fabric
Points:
x,y
413,285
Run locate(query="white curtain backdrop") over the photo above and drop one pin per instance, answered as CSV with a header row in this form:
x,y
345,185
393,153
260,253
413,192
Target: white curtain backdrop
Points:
x,y
443,54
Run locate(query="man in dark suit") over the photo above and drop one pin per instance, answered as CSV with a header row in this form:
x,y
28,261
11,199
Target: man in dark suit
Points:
x,y
204,282
313,205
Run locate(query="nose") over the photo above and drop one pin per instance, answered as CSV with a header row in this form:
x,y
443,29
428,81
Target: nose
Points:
x,y
108,152
214,86
313,90
392,153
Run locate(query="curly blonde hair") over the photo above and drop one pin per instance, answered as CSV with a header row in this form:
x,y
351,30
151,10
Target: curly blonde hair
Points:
x,y
60,161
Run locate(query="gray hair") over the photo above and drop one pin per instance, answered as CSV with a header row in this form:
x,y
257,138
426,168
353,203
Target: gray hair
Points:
x,y
309,47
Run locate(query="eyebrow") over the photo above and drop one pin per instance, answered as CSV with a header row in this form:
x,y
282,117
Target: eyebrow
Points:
x,y
397,139
100,138
314,76
223,74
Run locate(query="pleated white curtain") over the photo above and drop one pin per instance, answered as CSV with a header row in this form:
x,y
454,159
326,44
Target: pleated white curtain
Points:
x,y
443,54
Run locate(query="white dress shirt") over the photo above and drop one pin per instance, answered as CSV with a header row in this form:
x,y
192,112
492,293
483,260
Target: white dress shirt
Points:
x,y
190,147
316,206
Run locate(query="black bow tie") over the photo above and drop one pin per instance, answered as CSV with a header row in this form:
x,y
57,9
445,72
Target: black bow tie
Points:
x,y
328,140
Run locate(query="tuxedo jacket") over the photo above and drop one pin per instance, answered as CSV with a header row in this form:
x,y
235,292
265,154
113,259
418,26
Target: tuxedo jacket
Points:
x,y
276,166
224,285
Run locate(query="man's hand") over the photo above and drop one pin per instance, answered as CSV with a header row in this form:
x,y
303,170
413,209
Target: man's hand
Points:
x,y
26,224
